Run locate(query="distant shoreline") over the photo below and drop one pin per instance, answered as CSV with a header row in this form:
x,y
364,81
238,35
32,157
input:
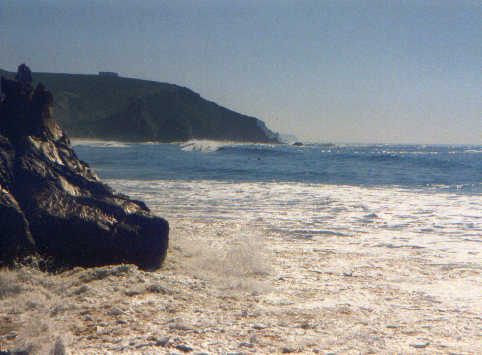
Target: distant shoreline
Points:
x,y
98,140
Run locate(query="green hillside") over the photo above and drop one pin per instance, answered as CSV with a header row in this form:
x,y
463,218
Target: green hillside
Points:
x,y
110,107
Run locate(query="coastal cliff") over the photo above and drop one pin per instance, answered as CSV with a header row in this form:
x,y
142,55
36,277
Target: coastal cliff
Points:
x,y
116,108
53,207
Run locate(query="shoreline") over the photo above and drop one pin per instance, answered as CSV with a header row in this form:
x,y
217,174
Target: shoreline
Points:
x,y
98,140
254,295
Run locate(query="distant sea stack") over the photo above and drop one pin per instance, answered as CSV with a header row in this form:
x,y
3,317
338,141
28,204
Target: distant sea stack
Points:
x,y
53,208
108,106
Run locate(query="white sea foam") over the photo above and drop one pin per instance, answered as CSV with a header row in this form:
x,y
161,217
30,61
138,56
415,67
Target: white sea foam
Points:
x,y
392,217
205,146
208,146
305,266
443,229
98,143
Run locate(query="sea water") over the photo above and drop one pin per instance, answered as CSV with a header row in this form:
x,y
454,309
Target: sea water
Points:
x,y
387,236
432,195
426,195
437,168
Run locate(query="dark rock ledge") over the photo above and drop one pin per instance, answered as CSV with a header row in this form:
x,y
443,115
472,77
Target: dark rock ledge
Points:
x,y
53,207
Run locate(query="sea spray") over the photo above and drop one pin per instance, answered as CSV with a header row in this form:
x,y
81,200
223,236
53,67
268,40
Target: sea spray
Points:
x,y
235,260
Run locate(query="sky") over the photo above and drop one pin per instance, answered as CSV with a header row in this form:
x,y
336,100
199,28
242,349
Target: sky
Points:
x,y
374,71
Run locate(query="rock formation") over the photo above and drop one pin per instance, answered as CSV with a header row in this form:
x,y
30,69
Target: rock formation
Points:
x,y
52,205
24,74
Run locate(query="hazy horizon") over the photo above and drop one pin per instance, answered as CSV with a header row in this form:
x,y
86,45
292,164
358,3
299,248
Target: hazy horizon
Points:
x,y
327,71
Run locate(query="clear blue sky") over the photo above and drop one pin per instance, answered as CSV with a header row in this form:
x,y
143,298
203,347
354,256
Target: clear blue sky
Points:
x,y
406,71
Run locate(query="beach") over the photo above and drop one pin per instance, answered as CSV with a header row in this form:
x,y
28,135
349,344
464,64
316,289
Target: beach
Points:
x,y
230,285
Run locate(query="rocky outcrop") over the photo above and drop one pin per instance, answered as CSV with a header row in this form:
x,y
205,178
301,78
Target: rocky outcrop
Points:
x,y
52,205
23,74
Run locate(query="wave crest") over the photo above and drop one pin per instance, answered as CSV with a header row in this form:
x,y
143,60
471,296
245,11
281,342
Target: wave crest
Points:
x,y
98,143
205,146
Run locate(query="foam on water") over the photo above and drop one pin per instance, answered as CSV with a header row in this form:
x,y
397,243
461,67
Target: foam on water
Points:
x,y
77,142
265,248
400,221
431,238
205,146
388,217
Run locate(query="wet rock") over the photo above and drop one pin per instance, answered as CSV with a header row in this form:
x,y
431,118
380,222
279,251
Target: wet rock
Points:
x,y
180,326
184,348
162,342
115,312
156,288
306,326
52,204
420,346
82,289
11,335
132,293
15,238
21,352
59,348
143,345
246,345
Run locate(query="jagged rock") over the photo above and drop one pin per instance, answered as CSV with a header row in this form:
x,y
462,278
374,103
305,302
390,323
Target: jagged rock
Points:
x,y
16,240
52,204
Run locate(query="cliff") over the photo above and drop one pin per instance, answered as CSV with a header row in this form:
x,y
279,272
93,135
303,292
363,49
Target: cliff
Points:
x,y
117,108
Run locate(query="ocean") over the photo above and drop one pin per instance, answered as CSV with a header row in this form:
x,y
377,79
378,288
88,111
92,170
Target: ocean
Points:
x,y
313,249
430,195
388,237
436,168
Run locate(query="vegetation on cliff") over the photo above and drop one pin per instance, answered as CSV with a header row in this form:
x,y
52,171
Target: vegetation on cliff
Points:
x,y
113,107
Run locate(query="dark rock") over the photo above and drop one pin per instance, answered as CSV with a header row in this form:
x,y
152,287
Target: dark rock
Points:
x,y
59,348
53,205
246,345
143,345
162,342
154,288
184,348
15,238
420,346
23,74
